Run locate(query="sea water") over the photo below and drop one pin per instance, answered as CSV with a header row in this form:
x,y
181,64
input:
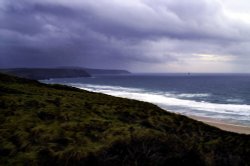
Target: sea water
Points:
x,y
223,97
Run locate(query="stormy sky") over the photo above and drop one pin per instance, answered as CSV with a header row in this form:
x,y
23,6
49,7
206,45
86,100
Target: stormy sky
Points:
x,y
138,35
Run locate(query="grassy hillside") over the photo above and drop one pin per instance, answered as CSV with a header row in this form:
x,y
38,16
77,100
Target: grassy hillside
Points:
x,y
59,125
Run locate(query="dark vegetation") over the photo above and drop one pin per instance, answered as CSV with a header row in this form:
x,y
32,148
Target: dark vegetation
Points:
x,y
66,72
59,125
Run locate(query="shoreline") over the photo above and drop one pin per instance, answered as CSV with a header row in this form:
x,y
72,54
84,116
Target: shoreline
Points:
x,y
226,126
222,124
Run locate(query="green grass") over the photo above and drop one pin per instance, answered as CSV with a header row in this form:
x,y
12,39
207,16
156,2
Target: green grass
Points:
x,y
59,125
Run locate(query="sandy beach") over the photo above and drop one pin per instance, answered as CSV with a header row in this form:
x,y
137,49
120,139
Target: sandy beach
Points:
x,y
223,125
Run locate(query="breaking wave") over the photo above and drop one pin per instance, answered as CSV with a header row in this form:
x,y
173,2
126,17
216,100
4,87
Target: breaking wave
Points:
x,y
179,103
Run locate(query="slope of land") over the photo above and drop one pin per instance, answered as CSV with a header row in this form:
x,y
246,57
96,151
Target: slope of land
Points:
x,y
59,125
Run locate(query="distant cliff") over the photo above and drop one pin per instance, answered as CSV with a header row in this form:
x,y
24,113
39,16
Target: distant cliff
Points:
x,y
106,71
46,73
64,72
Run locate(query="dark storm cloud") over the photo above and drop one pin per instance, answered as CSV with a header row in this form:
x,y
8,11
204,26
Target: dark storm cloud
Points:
x,y
115,34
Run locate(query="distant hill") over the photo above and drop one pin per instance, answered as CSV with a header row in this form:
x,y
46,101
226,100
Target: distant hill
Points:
x,y
59,125
100,71
106,71
47,73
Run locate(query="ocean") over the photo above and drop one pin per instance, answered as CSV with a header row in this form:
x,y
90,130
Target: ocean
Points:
x,y
224,97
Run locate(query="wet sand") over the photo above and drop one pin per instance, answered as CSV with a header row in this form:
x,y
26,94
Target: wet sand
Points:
x,y
223,125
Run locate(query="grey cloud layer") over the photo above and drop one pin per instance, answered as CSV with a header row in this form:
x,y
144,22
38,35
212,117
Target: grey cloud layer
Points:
x,y
116,34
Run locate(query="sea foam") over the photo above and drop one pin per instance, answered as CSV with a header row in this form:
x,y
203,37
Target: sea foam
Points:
x,y
176,103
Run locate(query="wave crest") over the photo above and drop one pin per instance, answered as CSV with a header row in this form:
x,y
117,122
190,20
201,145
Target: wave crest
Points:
x,y
180,103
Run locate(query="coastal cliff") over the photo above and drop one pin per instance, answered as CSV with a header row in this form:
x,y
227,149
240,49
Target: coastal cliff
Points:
x,y
46,73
